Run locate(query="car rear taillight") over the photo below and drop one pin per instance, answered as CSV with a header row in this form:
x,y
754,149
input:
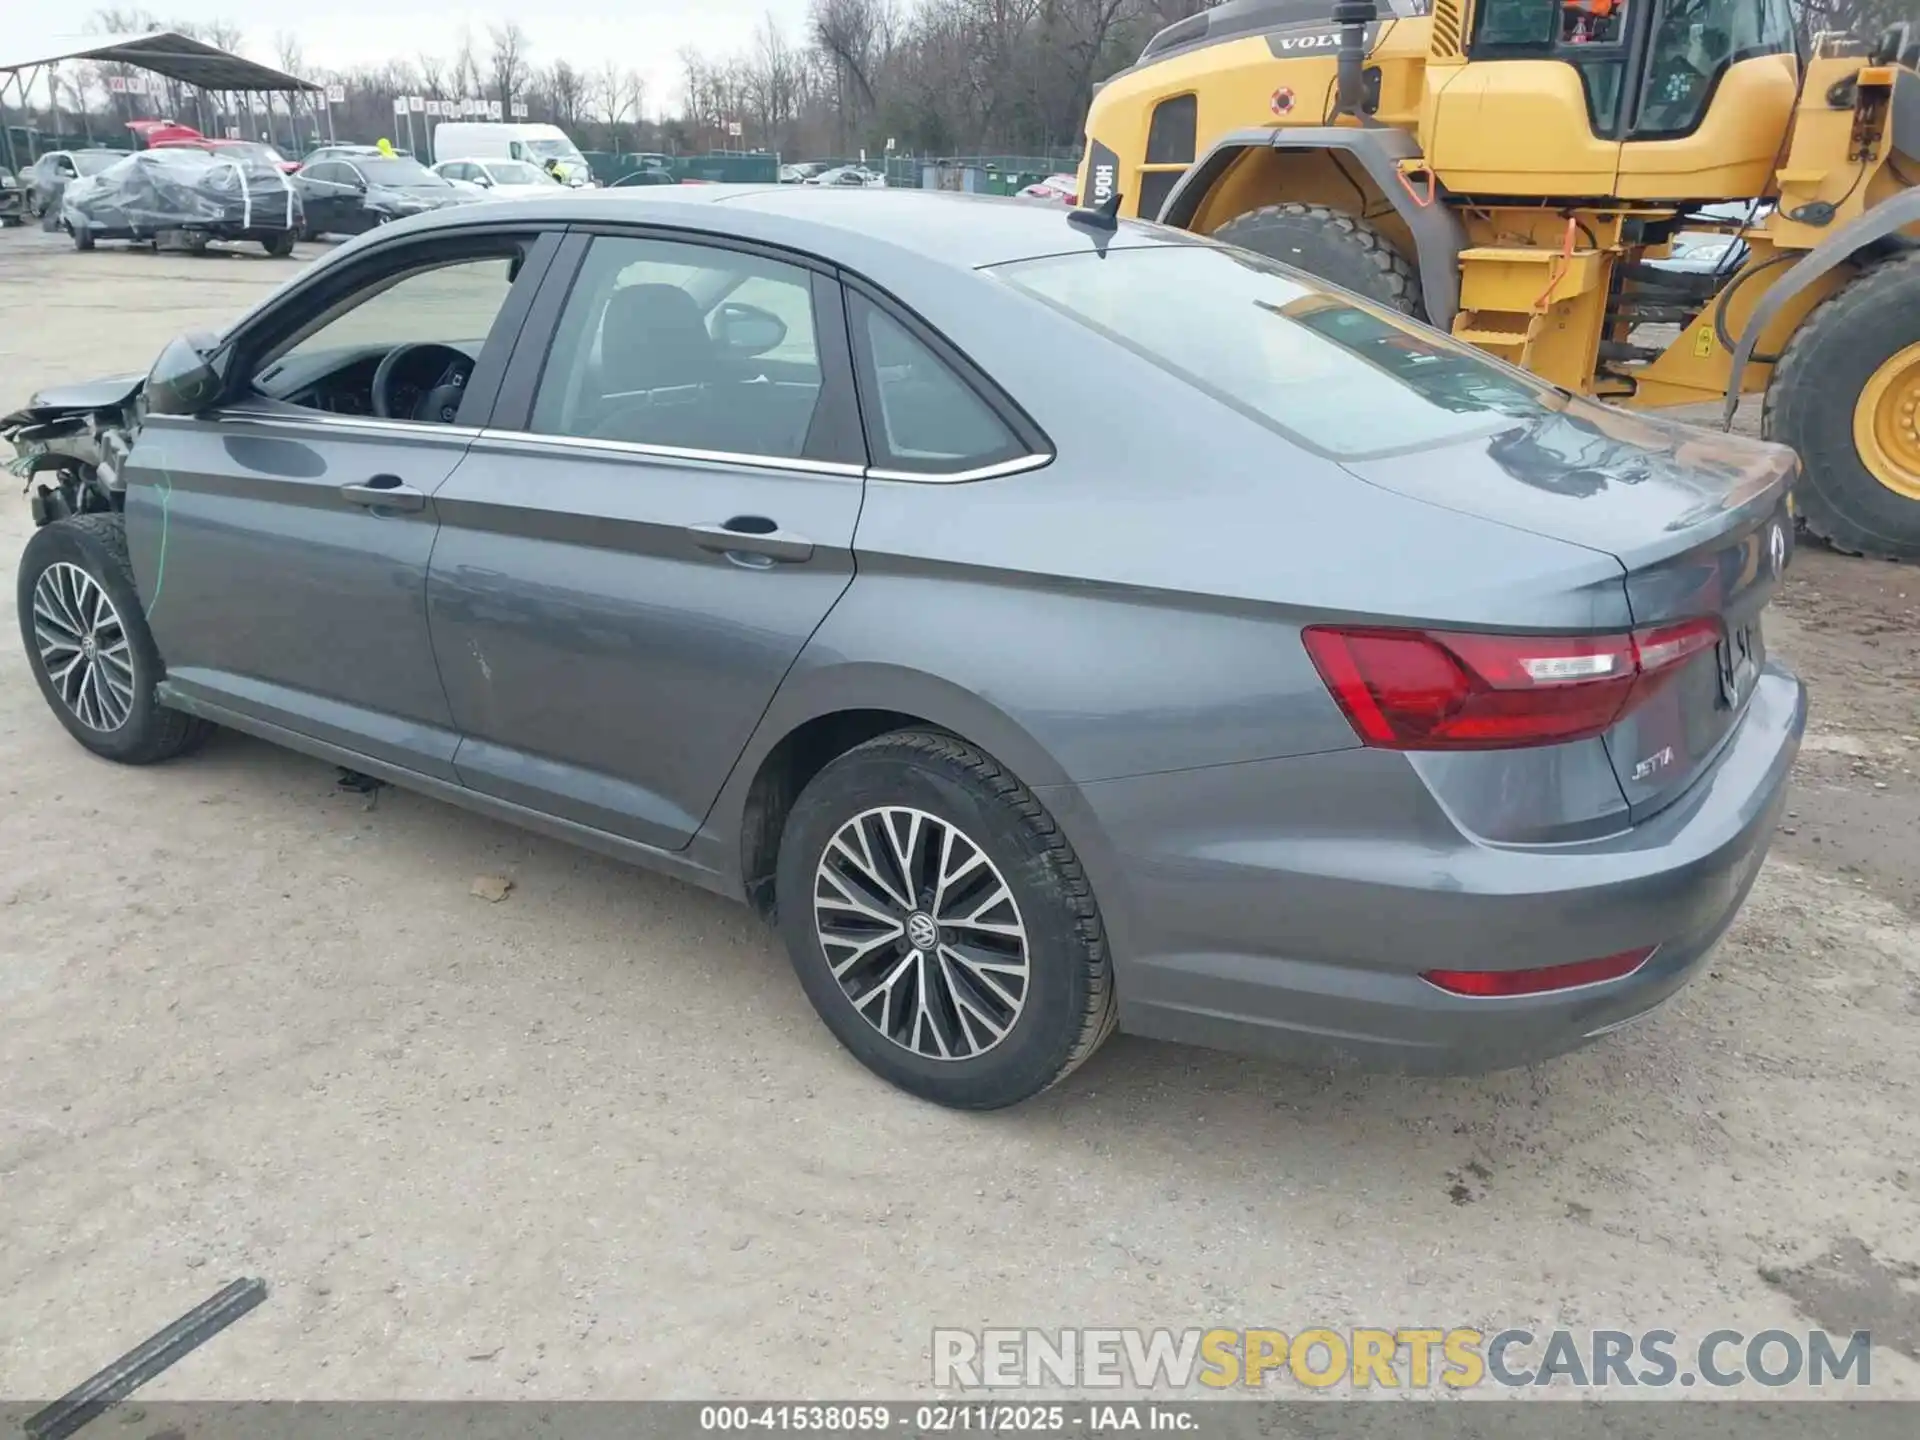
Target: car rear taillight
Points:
x,y
1454,690
1489,984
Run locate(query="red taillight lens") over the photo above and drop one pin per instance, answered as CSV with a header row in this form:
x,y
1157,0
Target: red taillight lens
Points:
x,y
1493,983
1450,690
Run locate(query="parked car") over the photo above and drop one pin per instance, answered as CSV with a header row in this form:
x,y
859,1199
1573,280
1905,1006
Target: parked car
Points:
x,y
51,172
350,152
196,195
800,173
499,178
256,149
1046,625
350,195
14,204
547,146
1702,252
1062,189
848,177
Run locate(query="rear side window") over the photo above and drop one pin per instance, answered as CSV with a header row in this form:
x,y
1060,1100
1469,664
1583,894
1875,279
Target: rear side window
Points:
x,y
1316,363
684,347
921,415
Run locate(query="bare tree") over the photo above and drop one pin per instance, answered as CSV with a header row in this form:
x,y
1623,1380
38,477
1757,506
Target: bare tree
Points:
x,y
433,75
289,52
227,34
507,64
566,93
466,67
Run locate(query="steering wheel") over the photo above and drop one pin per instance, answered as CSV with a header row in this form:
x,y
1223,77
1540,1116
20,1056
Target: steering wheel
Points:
x,y
441,402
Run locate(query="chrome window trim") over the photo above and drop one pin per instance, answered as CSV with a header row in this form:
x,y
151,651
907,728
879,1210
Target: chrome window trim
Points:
x,y
529,439
518,439
525,439
1014,466
321,420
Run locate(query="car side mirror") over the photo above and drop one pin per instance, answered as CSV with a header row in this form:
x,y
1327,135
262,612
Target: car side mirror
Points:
x,y
186,379
744,331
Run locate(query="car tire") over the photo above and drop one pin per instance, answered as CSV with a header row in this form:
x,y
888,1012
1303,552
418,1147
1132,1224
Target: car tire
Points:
x,y
82,237
88,644
1812,403
1332,245
923,1013
280,246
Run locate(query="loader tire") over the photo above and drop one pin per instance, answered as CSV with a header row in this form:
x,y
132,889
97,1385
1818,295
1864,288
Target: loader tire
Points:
x,y
1332,245
1845,395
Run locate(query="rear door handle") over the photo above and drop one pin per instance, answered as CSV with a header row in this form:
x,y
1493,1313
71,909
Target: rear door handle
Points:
x,y
385,492
752,535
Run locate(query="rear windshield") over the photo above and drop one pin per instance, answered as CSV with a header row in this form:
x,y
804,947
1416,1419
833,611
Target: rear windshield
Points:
x,y
92,162
1323,366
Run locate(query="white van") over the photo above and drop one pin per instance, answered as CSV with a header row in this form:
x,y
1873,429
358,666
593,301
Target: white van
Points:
x,y
484,139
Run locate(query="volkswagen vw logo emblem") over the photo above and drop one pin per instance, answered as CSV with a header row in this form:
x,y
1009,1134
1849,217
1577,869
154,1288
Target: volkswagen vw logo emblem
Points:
x,y
1777,548
922,933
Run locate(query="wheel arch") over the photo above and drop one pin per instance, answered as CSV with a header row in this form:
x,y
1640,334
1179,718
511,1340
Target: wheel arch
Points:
x,y
821,714
1436,234
1845,246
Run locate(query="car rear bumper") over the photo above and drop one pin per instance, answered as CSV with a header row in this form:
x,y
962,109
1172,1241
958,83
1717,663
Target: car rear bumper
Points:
x,y
1288,906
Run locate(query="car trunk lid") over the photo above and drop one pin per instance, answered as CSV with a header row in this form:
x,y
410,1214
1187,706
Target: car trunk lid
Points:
x,y
1701,525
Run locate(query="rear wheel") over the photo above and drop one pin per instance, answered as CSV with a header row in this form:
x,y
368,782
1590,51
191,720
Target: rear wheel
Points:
x,y
1846,395
941,923
1335,246
279,245
88,644
82,237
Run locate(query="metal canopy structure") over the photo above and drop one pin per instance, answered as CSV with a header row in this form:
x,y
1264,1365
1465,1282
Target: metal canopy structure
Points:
x,y
168,54
182,58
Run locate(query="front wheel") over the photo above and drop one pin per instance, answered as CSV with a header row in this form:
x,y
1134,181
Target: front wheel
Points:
x,y
279,245
82,237
1846,395
88,644
941,924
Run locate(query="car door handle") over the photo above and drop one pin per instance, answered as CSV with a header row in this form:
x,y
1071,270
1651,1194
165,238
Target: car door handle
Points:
x,y
752,535
385,492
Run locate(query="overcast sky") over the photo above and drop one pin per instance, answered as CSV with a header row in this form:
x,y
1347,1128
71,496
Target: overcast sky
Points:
x,y
645,35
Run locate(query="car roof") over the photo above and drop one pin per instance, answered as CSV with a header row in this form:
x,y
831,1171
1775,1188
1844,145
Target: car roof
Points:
x,y
963,231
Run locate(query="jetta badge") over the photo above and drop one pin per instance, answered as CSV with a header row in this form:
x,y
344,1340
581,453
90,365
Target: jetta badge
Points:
x,y
1777,548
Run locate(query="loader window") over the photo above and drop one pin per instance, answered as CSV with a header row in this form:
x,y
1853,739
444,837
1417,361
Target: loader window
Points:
x,y
1694,41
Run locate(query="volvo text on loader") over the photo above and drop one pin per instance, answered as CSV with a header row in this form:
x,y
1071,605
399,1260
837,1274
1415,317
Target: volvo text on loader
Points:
x,y
1514,170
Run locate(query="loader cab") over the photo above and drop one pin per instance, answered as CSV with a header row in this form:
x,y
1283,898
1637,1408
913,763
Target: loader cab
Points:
x,y
1640,99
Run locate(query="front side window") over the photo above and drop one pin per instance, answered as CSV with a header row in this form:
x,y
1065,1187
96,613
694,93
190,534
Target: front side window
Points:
x,y
1314,363
431,323
686,347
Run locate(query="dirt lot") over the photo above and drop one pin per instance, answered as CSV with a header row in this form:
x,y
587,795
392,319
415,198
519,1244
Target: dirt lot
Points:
x,y
590,1141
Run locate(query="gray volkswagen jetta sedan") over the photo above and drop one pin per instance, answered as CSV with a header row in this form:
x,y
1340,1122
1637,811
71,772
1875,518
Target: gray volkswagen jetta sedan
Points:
x,y
1048,625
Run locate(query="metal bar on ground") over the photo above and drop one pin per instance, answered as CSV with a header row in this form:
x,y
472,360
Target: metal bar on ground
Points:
x,y
88,1400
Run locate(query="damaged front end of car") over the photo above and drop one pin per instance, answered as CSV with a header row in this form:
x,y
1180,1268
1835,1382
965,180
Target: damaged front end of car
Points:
x,y
71,445
72,442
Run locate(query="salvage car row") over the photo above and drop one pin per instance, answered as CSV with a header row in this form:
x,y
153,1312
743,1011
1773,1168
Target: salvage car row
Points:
x,y
241,192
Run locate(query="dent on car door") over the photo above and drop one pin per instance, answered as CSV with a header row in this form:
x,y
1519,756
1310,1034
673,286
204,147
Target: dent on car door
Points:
x,y
630,562
282,539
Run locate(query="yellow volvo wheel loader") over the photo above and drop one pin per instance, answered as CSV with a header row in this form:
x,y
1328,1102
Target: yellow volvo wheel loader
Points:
x,y
1517,171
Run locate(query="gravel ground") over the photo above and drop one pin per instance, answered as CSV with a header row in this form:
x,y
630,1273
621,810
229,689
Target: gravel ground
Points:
x,y
590,1141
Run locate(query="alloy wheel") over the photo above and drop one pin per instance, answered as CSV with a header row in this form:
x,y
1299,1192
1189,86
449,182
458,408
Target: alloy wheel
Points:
x,y
922,933
83,647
